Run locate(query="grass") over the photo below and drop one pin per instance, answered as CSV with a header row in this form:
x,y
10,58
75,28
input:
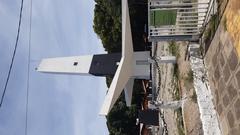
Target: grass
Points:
x,y
225,23
180,125
176,92
176,72
163,17
211,28
177,96
188,80
173,48
201,50
194,97
189,77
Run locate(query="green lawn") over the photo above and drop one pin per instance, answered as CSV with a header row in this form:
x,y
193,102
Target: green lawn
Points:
x,y
163,17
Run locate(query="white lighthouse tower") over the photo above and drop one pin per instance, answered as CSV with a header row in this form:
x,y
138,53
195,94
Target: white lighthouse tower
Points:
x,y
97,65
125,66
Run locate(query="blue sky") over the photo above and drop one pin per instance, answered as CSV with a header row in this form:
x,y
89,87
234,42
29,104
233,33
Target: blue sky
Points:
x,y
58,104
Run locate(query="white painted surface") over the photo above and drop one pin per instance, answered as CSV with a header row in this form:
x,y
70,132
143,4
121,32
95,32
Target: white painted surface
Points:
x,y
66,65
208,113
167,59
128,90
141,71
125,68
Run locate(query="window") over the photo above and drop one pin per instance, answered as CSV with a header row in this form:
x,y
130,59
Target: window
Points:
x,y
75,63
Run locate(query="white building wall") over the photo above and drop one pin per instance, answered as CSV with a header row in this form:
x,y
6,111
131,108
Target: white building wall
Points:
x,y
66,65
141,65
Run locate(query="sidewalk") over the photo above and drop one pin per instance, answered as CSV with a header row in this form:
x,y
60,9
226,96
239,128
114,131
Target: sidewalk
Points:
x,y
222,60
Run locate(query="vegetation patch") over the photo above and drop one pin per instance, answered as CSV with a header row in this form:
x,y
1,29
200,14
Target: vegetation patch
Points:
x,y
177,95
173,48
189,77
179,120
225,23
210,30
163,17
176,91
194,97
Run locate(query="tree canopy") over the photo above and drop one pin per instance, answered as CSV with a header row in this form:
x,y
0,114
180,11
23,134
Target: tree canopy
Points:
x,y
108,25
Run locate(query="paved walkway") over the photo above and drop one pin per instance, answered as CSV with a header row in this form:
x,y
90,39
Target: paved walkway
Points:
x,y
222,60
166,88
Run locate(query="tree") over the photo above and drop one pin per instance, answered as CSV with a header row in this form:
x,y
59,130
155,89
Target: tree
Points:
x,y
107,23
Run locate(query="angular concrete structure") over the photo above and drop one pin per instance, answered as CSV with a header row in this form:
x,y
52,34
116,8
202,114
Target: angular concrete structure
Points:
x,y
125,67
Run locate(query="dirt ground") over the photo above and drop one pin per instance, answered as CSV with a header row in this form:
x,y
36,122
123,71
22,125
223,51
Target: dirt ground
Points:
x,y
190,109
165,92
191,114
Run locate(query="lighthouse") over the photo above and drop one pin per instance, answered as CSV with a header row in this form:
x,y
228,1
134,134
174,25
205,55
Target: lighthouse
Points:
x,y
124,67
